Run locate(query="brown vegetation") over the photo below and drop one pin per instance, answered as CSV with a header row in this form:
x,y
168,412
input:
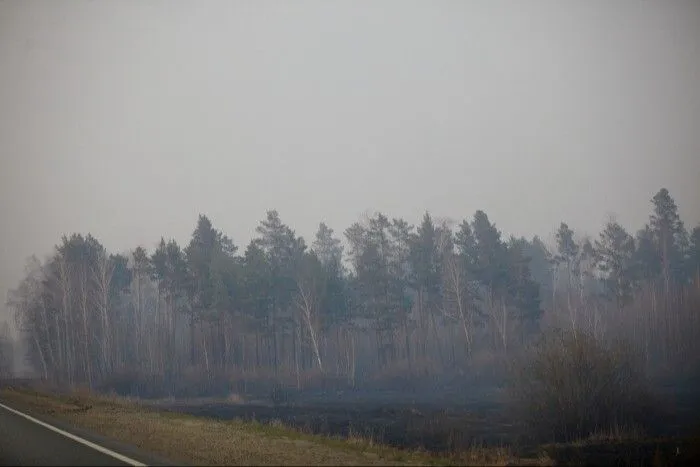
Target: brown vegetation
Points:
x,y
571,385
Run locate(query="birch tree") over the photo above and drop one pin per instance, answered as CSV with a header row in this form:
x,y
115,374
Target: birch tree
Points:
x,y
310,284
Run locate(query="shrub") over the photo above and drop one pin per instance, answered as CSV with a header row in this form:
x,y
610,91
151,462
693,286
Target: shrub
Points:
x,y
571,385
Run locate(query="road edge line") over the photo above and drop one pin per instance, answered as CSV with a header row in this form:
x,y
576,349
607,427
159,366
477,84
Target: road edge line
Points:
x,y
76,438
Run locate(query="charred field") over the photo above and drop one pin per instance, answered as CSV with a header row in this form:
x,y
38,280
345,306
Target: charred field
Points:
x,y
449,424
392,418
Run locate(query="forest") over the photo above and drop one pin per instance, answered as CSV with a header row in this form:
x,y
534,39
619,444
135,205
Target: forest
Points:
x,y
436,305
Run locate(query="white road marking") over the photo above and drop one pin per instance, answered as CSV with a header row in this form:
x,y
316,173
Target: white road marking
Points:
x,y
78,439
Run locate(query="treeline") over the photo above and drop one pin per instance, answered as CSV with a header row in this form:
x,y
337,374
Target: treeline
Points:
x,y
402,304
6,351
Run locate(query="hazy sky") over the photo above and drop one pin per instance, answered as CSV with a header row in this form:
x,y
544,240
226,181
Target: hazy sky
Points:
x,y
128,118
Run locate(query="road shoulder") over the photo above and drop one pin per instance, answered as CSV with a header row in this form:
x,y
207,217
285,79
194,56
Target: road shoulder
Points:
x,y
122,448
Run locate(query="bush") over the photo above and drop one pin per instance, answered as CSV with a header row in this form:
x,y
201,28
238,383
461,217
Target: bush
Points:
x,y
571,386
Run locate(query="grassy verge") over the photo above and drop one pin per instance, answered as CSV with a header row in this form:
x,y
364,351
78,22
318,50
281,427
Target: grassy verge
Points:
x,y
202,441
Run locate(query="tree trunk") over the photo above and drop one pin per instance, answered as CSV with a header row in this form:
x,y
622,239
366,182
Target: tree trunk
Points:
x,y
463,318
193,341
408,347
351,359
138,323
504,332
205,345
437,340
44,368
87,356
296,354
314,342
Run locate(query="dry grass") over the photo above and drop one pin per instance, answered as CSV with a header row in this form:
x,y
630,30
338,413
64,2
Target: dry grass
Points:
x,y
493,456
202,441
612,435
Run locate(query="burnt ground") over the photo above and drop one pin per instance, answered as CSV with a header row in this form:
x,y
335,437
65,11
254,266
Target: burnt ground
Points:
x,y
434,423
386,417
657,452
440,421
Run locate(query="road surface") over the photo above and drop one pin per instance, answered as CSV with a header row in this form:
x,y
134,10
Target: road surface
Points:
x,y
26,440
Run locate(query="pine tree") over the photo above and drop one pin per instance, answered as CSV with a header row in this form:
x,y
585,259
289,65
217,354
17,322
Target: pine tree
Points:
x,y
614,257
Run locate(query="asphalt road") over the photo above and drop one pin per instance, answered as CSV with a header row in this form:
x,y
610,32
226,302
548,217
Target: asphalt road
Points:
x,y
25,440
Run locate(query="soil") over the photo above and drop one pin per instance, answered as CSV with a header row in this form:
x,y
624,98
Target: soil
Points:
x,y
392,418
445,423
